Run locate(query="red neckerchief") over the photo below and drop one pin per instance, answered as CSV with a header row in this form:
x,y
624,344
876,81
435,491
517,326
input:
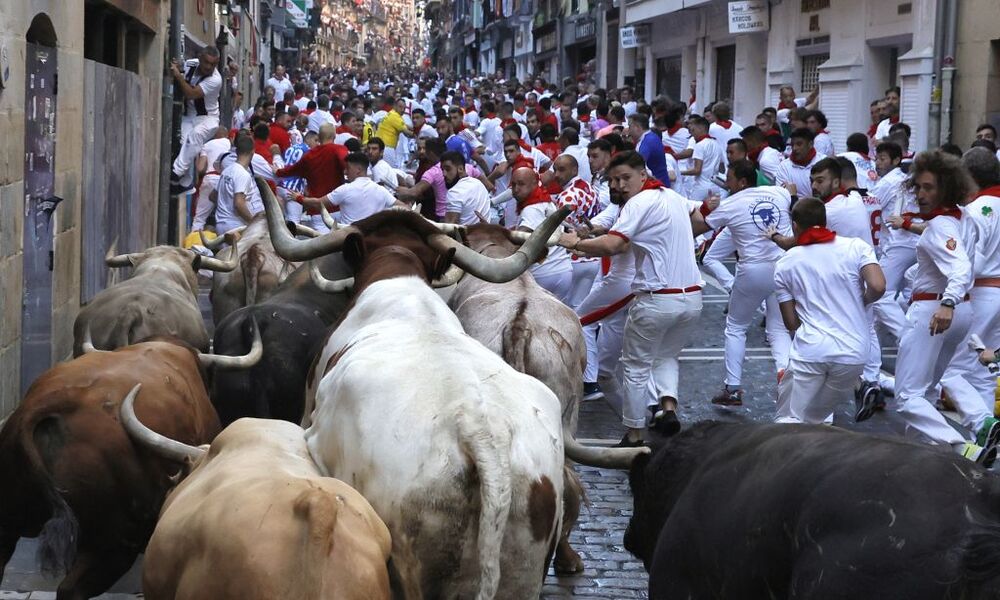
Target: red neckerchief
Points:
x,y
812,155
698,138
584,118
651,183
993,190
550,149
834,194
538,196
754,155
416,130
491,115
674,129
337,114
506,122
523,161
872,130
539,91
771,131
724,123
783,105
894,120
386,107
461,127
524,145
937,212
521,111
816,235
344,129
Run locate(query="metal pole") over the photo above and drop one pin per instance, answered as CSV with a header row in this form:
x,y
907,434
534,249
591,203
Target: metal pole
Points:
x,y
226,97
167,127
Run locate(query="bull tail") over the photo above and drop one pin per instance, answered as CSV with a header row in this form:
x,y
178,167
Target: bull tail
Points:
x,y
252,263
131,321
517,339
58,538
490,450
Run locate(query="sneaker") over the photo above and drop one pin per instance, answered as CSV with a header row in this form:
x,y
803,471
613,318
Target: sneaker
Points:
x,y
728,397
666,422
866,400
591,391
981,456
627,443
989,433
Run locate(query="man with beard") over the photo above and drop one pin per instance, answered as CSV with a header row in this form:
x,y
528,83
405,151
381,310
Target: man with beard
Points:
x,y
357,199
466,195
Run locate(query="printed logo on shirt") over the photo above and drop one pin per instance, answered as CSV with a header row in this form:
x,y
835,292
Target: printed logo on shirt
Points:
x,y
951,244
765,214
987,211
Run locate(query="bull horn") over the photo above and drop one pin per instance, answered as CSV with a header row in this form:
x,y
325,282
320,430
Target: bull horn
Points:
x,y
87,345
215,243
214,264
285,244
327,217
149,439
522,236
604,458
222,361
500,270
121,260
299,229
483,219
451,277
330,286
447,227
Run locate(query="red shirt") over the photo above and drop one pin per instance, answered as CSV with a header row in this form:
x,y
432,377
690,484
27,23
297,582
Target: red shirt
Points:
x,y
550,118
550,149
279,136
263,148
322,167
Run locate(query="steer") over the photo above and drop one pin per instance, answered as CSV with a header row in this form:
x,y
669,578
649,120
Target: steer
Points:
x,y
539,335
749,511
459,454
259,273
161,298
72,476
255,509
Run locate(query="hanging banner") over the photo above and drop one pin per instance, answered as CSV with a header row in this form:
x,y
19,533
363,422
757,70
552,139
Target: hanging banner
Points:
x,y
749,16
635,36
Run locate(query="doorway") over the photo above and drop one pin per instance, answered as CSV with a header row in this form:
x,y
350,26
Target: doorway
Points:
x,y
40,88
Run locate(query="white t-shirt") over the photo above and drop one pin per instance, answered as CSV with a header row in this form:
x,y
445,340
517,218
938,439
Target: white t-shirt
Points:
x,y
622,267
984,213
882,131
722,136
865,168
748,214
825,282
789,172
874,215
467,197
657,223
678,140
944,264
343,137
848,216
359,199
236,179
707,151
280,87
210,86
579,152
213,150
319,118
491,133
558,259
768,160
382,173
823,144
895,199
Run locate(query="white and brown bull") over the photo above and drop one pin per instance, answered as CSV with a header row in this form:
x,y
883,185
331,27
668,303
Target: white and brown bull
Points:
x,y
259,273
538,335
459,454
160,298
254,519
72,476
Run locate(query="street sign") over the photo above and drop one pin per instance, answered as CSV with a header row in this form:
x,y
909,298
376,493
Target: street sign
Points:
x,y
749,16
635,36
297,13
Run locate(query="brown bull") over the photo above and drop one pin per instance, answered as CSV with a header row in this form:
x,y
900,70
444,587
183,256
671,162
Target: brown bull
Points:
x,y
161,298
72,475
294,533
538,335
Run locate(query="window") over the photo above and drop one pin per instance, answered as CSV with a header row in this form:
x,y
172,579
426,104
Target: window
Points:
x,y
810,71
725,72
668,77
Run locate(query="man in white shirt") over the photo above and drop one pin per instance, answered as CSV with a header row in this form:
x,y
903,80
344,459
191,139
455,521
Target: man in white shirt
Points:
x,y
891,115
794,172
534,205
705,158
321,115
490,132
280,82
577,193
200,84
570,143
824,285
466,195
211,152
656,223
380,171
723,128
746,214
357,199
823,143
761,153
536,156
857,153
238,197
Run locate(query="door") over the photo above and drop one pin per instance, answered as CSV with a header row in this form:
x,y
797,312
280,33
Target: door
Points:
x,y
39,171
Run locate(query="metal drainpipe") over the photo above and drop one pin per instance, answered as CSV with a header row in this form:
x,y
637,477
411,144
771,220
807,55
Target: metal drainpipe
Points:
x,y
948,69
934,109
166,202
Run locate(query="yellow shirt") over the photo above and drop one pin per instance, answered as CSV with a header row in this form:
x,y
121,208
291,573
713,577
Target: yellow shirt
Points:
x,y
367,133
390,128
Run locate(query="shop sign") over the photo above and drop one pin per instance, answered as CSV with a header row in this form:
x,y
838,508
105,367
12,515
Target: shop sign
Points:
x,y
634,36
585,28
749,16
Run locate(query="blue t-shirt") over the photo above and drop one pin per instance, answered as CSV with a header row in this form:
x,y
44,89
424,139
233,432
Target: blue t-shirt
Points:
x,y
292,156
457,144
651,149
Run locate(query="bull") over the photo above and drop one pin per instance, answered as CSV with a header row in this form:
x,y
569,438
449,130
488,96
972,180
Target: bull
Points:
x,y
538,335
160,298
750,511
293,534
71,475
459,454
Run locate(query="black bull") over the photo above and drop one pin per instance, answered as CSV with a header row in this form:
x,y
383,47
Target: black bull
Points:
x,y
747,511
294,321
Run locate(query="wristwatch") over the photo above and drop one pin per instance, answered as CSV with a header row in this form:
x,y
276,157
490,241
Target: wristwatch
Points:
x,y
948,302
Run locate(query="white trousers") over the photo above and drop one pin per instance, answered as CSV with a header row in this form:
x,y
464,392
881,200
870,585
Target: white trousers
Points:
x,y
721,248
809,392
964,368
894,262
920,364
873,366
559,284
657,329
584,273
205,205
754,283
195,131
604,338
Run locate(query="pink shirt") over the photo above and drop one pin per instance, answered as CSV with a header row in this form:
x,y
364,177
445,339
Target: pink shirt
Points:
x,y
435,177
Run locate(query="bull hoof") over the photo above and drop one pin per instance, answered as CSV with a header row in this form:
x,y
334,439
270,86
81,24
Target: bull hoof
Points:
x,y
570,564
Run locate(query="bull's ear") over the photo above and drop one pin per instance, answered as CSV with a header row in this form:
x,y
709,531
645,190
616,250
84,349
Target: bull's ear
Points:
x,y
196,262
442,263
354,250
637,472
